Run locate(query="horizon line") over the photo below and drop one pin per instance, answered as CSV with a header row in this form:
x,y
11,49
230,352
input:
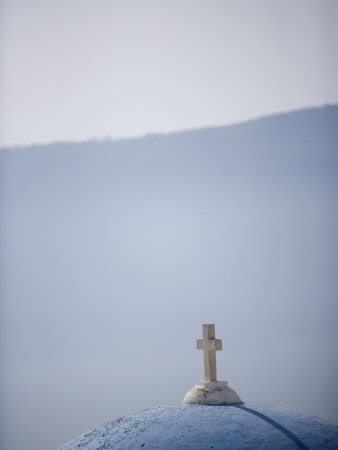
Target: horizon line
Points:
x,y
111,139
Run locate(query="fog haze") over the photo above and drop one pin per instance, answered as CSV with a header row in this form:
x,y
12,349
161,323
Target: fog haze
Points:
x,y
115,252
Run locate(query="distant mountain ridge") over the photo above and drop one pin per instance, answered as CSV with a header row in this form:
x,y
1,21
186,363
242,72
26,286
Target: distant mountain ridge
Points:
x,y
327,113
284,145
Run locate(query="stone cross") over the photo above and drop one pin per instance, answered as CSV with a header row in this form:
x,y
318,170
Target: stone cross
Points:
x,y
209,344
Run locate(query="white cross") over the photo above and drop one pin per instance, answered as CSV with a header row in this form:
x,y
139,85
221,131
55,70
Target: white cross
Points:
x,y
209,344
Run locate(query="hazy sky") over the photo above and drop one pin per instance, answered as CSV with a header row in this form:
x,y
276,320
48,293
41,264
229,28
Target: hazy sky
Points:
x,y
76,69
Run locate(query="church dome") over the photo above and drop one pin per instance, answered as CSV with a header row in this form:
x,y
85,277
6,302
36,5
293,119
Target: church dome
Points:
x,y
236,426
212,416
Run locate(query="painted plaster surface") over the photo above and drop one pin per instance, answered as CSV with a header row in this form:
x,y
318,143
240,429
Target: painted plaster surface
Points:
x,y
212,393
241,426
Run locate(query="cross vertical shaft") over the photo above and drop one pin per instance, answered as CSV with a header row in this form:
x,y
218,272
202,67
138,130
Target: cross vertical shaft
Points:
x,y
209,345
209,355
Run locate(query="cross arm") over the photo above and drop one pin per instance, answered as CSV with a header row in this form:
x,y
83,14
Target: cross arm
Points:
x,y
211,344
218,344
200,345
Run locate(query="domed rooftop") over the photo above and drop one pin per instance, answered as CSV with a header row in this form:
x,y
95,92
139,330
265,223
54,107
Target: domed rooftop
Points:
x,y
237,426
212,416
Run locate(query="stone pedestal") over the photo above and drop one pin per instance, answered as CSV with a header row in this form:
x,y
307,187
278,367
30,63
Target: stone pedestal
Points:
x,y
212,393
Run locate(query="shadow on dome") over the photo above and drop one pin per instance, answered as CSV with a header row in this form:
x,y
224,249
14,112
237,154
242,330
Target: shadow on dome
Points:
x,y
267,419
275,424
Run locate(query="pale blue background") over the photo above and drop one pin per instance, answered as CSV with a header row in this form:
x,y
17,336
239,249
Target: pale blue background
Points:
x,y
114,254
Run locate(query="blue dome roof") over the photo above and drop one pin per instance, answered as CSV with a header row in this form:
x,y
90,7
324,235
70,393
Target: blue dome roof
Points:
x,y
241,426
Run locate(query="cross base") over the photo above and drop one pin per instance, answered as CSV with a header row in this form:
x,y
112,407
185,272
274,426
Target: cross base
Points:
x,y
212,393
